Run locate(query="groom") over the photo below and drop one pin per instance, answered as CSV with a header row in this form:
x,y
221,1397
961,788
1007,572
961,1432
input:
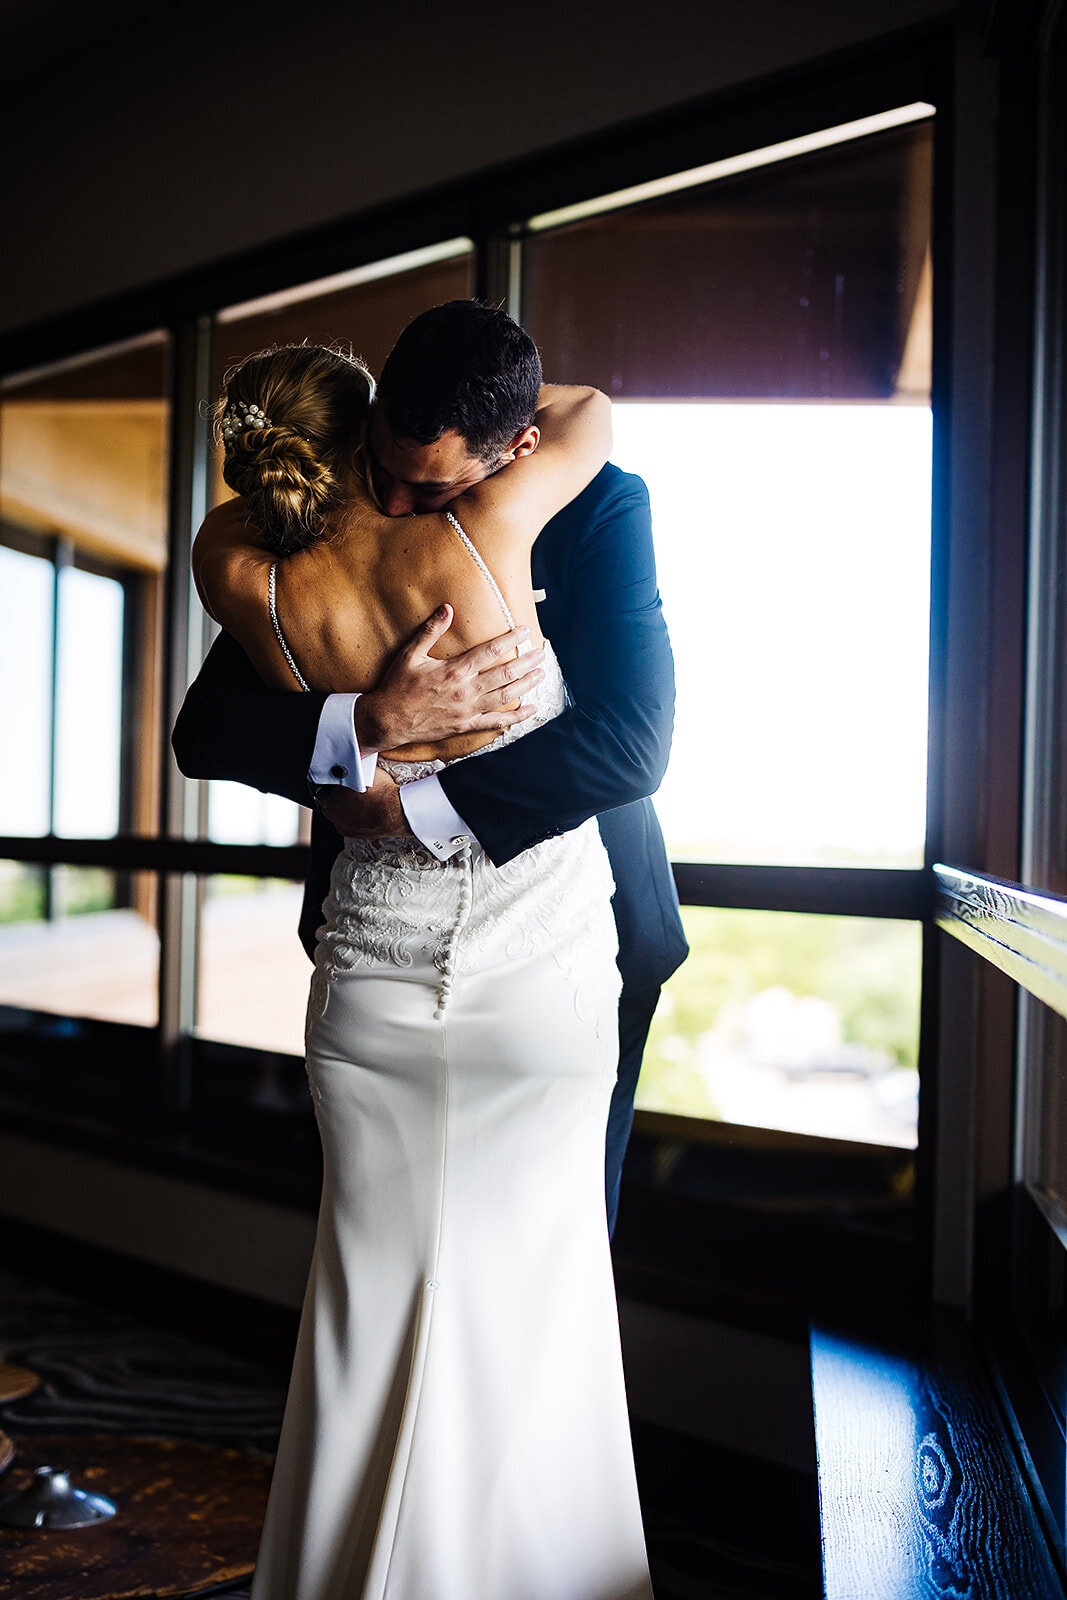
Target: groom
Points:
x,y
455,402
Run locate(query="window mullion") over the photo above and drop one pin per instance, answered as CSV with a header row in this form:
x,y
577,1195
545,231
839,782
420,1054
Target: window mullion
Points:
x,y
183,648
498,271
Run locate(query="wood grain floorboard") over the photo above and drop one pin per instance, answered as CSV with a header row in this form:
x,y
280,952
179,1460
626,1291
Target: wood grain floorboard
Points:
x,y
104,1372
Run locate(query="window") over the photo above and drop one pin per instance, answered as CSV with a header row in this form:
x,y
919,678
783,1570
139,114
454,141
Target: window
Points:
x,y
766,337
27,618
252,974
759,321
1020,1168
783,1020
83,496
1039,1241
365,309
1045,837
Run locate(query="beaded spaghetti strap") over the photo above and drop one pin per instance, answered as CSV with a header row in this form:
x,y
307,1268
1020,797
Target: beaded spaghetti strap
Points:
x,y
279,635
488,576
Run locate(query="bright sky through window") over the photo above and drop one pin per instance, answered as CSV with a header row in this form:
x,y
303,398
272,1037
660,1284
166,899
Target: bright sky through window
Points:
x,y
793,548
26,607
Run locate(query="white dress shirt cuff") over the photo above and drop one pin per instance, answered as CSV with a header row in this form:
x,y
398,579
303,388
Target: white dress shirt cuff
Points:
x,y
336,758
433,819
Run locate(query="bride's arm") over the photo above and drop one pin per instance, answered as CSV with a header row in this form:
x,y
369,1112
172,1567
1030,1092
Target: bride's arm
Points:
x,y
227,556
574,442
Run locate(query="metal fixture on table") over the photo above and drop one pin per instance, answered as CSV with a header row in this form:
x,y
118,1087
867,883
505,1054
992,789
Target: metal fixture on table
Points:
x,y
50,1501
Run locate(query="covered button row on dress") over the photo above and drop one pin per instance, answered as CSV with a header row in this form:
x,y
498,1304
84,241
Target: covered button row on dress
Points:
x,y
465,863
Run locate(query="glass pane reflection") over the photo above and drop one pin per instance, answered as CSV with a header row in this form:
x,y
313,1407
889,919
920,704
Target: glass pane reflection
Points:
x,y
808,1024
89,653
805,279
238,814
253,975
83,494
27,602
79,942
1052,1176
768,341
1044,1061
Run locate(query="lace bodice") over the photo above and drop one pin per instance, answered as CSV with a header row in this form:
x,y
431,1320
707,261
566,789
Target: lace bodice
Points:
x,y
393,900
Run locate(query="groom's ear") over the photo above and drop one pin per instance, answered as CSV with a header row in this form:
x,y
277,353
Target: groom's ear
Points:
x,y
523,444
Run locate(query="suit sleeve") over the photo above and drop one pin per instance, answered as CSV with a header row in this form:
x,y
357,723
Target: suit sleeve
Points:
x,y
610,746
232,726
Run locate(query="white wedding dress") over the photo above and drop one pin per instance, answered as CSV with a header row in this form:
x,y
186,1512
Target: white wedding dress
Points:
x,y
456,1426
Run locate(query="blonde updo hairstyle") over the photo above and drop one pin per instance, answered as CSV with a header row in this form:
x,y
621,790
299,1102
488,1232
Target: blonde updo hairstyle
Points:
x,y
291,420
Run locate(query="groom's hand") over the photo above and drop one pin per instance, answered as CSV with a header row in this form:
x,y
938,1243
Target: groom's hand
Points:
x,y
421,699
375,814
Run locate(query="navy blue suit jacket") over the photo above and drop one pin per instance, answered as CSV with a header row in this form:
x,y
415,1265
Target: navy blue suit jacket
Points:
x,y
604,756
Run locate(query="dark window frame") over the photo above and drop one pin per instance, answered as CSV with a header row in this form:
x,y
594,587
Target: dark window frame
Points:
x,y
489,209
1014,967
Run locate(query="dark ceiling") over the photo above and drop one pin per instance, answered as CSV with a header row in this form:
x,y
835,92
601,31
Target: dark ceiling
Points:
x,y
39,36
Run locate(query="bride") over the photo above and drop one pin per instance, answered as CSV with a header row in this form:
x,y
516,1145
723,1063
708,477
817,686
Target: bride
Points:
x,y
456,1425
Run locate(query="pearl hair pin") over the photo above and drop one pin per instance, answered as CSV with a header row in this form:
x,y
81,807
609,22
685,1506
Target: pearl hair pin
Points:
x,y
239,418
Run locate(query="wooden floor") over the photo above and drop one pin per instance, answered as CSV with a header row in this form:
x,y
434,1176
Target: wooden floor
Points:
x,y
720,1525
922,1494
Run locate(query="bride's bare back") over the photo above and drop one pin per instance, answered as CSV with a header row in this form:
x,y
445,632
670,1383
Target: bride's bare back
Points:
x,y
347,602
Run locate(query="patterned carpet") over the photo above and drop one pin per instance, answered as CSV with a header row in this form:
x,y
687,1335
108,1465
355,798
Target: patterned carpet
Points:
x,y
104,1373
710,1533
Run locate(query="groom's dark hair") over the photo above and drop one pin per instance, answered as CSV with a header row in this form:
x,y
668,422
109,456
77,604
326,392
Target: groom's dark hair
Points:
x,y
463,366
